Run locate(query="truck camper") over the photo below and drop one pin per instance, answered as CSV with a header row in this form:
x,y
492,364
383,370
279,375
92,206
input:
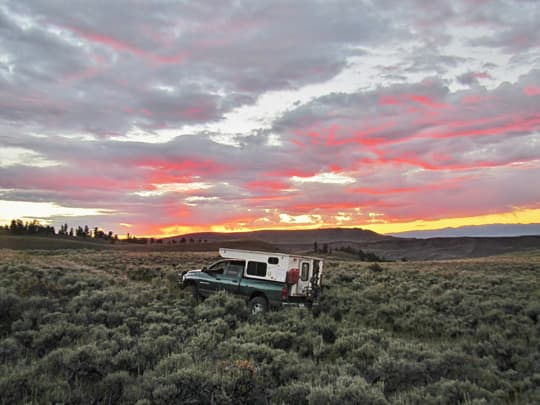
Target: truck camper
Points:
x,y
265,279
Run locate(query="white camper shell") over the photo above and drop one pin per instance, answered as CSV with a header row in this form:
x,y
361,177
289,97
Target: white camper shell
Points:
x,y
279,266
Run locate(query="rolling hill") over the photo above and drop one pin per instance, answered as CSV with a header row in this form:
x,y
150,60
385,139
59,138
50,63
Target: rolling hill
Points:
x,y
27,242
389,247
303,241
492,230
295,236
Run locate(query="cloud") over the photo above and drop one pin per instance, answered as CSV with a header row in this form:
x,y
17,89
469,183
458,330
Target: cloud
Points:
x,y
160,189
472,78
46,211
119,58
20,156
324,178
300,219
246,115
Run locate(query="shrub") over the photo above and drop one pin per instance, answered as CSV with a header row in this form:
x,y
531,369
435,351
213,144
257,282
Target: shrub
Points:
x,y
375,268
111,388
347,390
10,350
223,306
10,309
295,393
190,385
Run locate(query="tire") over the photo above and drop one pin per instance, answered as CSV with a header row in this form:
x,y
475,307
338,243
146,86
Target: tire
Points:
x,y
316,311
258,305
194,293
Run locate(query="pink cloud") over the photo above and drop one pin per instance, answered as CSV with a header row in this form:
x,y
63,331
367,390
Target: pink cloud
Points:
x,y
266,185
517,124
404,99
437,163
182,166
58,180
378,191
482,75
121,46
287,173
339,136
426,101
389,100
532,90
472,99
194,113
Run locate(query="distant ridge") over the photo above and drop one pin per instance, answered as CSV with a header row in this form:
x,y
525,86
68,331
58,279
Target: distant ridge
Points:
x,y
389,247
332,240
295,236
490,231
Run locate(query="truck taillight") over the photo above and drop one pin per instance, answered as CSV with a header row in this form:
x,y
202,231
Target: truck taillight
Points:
x,y
293,276
284,293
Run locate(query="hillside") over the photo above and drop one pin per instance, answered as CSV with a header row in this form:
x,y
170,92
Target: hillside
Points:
x,y
444,248
295,236
394,248
301,241
209,246
492,230
47,242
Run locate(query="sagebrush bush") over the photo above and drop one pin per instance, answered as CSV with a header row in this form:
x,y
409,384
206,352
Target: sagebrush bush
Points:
x,y
113,327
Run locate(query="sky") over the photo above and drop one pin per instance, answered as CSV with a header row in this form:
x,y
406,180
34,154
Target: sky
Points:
x,y
161,118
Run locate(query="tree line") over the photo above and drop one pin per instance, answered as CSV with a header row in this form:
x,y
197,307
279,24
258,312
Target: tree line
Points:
x,y
359,253
35,228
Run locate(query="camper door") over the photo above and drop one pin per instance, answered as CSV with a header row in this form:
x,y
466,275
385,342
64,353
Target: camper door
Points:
x,y
305,276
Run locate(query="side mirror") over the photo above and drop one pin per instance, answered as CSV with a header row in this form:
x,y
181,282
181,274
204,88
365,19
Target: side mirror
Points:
x,y
204,269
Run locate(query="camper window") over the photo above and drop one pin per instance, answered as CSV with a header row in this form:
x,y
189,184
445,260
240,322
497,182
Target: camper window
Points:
x,y
305,272
257,269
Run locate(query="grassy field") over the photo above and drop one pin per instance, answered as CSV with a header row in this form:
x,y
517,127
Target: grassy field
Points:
x,y
27,242
109,326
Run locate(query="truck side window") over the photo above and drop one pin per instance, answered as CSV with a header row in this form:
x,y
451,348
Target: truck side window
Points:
x,y
304,275
273,260
256,269
234,268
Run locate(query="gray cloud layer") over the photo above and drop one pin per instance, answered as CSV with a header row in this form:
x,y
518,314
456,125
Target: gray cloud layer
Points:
x,y
443,106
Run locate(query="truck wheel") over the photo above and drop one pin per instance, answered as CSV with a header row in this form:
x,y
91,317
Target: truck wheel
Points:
x,y
258,305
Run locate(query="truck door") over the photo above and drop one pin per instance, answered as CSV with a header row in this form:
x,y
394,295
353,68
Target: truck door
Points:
x,y
305,276
210,284
230,279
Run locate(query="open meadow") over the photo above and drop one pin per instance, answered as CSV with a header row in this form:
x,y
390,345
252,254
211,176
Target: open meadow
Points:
x,y
87,326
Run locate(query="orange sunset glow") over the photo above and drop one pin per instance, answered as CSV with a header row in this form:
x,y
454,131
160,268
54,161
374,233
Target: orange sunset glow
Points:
x,y
163,119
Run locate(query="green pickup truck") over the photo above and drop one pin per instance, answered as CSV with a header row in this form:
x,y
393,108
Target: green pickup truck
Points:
x,y
266,280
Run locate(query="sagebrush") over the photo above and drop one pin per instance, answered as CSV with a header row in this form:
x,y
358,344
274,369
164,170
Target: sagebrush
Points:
x,y
113,327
